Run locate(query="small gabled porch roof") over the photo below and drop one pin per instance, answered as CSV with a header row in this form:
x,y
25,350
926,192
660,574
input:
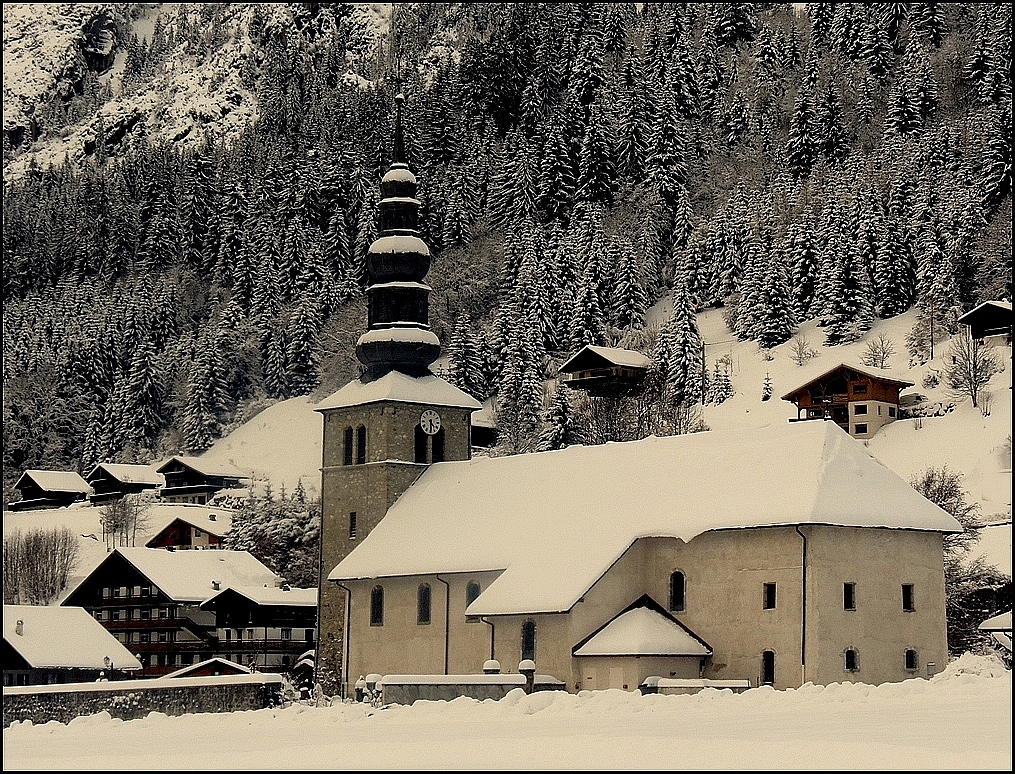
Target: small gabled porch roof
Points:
x,y
644,628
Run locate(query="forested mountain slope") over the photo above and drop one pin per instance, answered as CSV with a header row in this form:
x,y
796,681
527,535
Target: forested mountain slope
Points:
x,y
842,162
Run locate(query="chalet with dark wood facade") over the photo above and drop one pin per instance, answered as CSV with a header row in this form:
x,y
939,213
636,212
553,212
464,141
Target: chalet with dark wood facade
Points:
x,y
605,370
264,627
45,645
196,480
201,529
49,489
991,318
110,481
859,400
150,600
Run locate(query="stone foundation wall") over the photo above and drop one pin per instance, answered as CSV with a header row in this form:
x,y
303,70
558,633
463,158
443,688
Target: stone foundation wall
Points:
x,y
132,699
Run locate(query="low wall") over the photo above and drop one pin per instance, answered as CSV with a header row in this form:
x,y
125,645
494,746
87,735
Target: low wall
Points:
x,y
677,686
130,699
405,689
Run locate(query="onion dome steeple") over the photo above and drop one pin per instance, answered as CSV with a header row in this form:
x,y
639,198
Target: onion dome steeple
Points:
x,y
399,336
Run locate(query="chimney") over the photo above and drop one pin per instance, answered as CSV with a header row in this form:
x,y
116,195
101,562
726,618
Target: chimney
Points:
x,y
216,585
211,517
20,627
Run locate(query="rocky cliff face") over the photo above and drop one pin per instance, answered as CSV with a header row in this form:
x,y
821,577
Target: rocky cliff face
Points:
x,y
87,77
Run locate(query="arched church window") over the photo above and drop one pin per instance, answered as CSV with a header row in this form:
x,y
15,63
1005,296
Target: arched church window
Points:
x,y
420,445
677,591
377,606
423,604
347,447
437,450
361,445
471,593
529,640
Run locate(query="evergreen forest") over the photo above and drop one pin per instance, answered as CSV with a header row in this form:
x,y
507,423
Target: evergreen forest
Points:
x,y
578,162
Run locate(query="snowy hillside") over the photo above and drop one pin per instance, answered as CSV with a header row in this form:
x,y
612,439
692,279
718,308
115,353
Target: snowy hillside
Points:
x,y
283,443
960,720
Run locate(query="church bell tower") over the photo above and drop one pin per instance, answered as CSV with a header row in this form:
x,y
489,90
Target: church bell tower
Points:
x,y
381,431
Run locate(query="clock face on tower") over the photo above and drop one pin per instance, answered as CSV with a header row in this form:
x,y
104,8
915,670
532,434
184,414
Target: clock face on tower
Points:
x,y
430,421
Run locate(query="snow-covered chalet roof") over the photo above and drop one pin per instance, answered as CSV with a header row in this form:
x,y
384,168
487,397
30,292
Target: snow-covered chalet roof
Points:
x,y
642,631
188,576
619,357
396,386
205,466
883,374
521,514
130,474
56,480
270,595
214,521
65,637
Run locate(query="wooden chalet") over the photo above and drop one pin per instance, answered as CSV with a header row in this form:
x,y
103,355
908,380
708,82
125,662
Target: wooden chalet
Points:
x,y
604,370
991,318
196,480
49,489
264,627
150,600
45,645
859,400
201,529
110,481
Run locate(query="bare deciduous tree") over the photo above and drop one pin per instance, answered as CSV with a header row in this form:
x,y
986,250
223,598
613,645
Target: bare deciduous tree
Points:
x,y
970,365
879,351
123,519
37,565
801,350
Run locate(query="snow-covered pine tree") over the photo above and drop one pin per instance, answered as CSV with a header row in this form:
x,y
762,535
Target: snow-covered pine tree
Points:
x,y
804,267
629,300
597,172
803,146
559,428
301,349
849,298
774,323
679,352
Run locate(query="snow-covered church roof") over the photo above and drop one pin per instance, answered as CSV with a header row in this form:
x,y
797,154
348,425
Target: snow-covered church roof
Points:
x,y
63,637
554,522
396,386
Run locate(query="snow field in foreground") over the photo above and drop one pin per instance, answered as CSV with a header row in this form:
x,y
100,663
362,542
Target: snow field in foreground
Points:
x,y
960,719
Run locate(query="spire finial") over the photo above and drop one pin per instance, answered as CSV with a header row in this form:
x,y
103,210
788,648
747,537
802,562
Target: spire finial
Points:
x,y
398,156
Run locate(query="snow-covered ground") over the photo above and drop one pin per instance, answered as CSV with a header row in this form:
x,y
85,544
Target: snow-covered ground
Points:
x,y
961,719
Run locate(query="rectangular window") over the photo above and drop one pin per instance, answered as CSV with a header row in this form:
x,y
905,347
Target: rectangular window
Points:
x,y
852,663
116,591
861,429
769,596
859,389
891,411
310,635
908,604
860,408
146,614
849,596
352,525
229,635
250,634
912,660
105,593
145,637
137,591
114,615
287,634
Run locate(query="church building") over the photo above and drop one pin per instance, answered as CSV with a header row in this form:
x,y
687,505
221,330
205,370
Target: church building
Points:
x,y
778,556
